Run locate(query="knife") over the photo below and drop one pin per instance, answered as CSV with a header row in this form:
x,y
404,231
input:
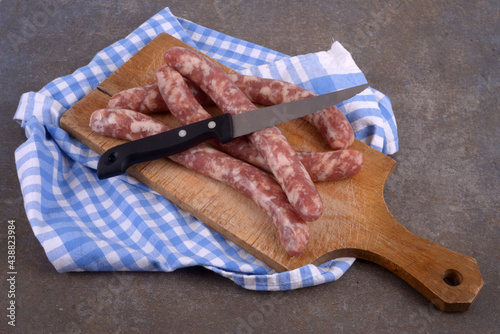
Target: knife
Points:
x,y
224,128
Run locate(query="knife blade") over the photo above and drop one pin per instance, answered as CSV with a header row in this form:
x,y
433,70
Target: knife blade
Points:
x,y
224,128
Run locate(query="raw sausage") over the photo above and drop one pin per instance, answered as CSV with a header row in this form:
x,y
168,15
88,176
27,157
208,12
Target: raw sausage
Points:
x,y
321,166
333,165
270,142
125,124
252,182
185,107
147,99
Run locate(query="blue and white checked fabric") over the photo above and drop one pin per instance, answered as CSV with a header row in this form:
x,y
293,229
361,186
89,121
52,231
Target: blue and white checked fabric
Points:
x,y
87,224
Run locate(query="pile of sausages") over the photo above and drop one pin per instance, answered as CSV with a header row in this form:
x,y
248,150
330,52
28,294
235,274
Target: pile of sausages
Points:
x,y
261,165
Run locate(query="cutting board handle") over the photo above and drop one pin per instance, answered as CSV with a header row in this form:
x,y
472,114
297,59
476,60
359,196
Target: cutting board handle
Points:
x,y
451,281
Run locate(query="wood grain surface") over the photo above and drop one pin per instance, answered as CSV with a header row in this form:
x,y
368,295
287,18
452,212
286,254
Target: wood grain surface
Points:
x,y
356,221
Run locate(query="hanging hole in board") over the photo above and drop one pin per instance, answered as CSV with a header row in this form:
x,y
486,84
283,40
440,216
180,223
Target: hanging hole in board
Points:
x,y
452,277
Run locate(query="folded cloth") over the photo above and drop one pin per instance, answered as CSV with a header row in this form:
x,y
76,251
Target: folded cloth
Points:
x,y
87,224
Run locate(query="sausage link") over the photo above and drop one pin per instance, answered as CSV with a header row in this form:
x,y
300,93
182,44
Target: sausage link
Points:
x,y
147,99
270,142
330,122
250,181
333,165
186,108
125,124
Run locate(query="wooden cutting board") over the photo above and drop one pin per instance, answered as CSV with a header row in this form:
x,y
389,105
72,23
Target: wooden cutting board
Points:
x,y
355,223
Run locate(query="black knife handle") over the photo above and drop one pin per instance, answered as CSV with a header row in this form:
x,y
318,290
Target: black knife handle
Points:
x,y
116,160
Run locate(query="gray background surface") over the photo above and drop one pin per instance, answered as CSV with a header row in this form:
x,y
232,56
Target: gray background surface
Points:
x,y
438,61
